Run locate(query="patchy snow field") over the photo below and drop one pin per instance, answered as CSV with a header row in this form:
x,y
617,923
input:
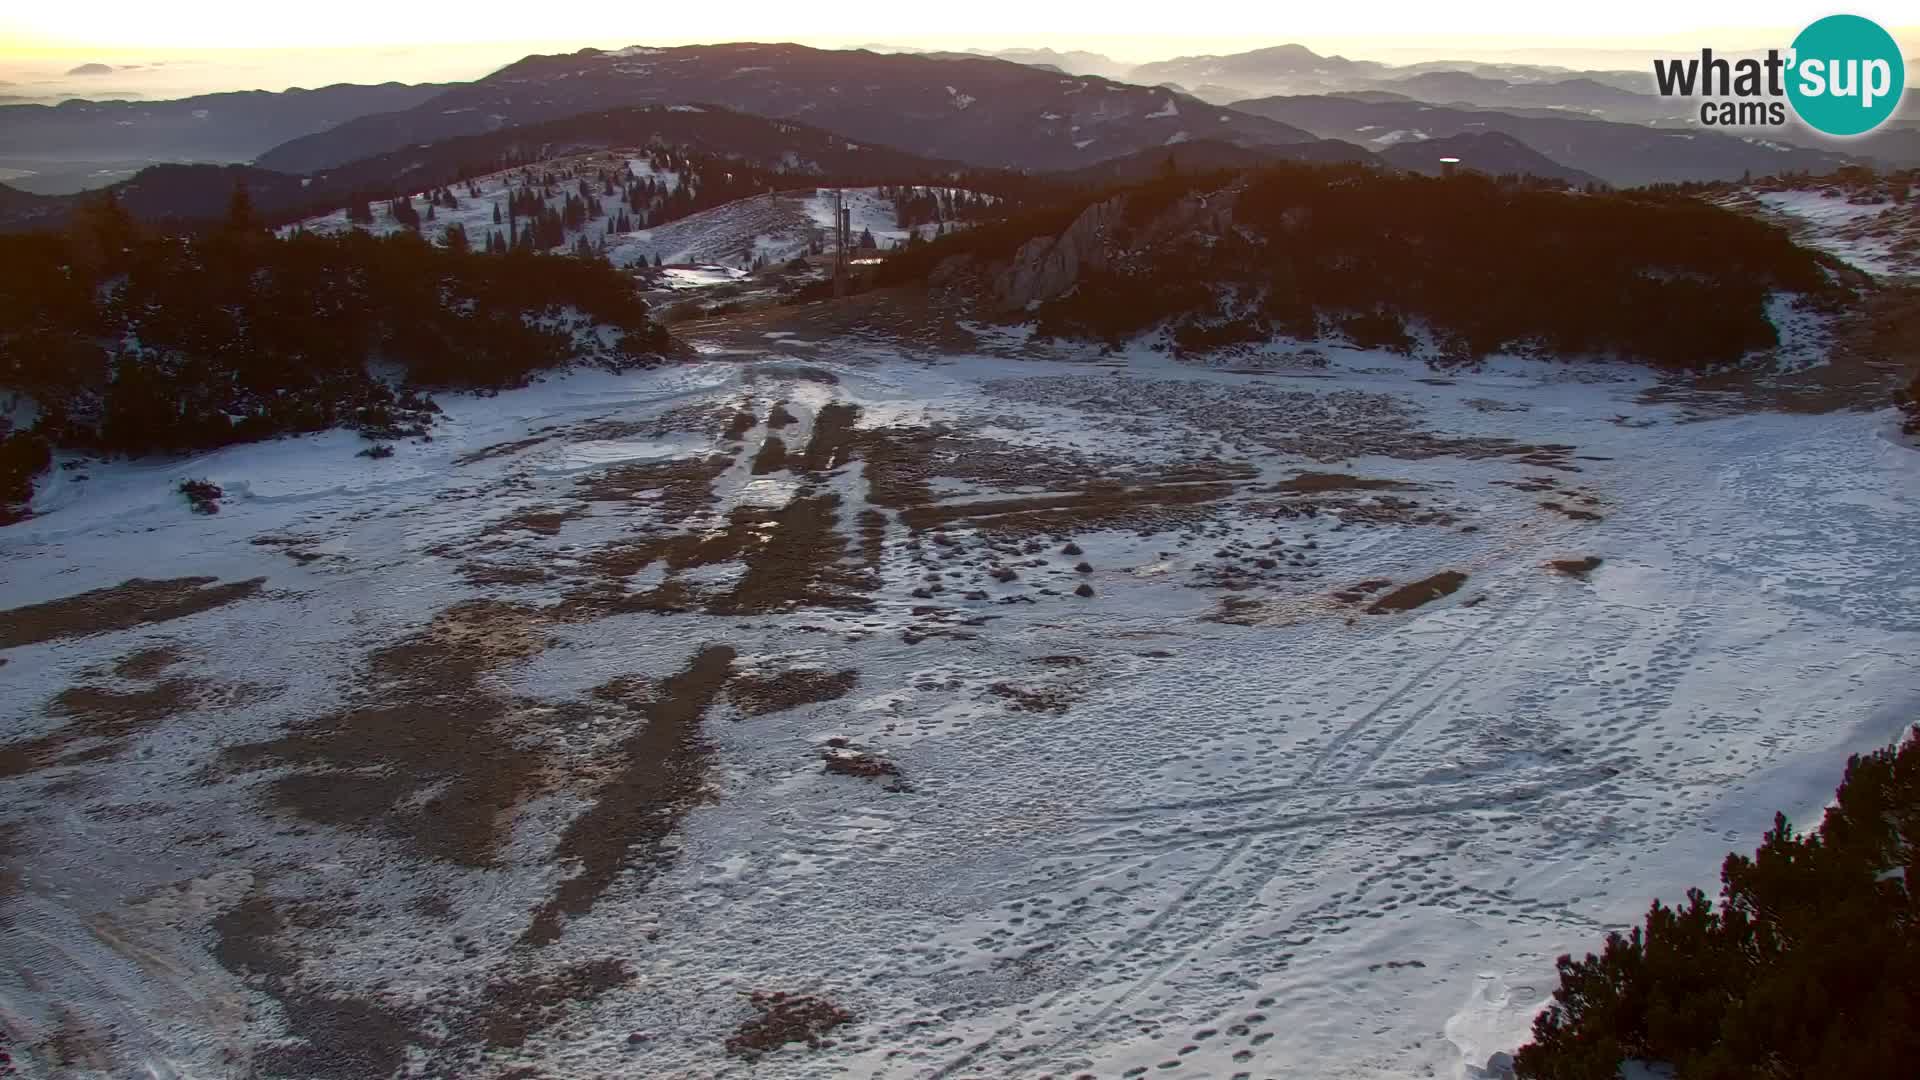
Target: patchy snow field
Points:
x,y
1880,238
546,744
776,227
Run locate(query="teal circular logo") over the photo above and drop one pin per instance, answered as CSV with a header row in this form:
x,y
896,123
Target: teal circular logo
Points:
x,y
1847,75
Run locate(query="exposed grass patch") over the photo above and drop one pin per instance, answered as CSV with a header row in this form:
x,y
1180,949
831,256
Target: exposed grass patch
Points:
x,y
1314,483
147,663
677,488
772,456
833,438
1578,568
784,1018
1046,699
423,751
106,716
662,774
757,695
1084,511
134,602
539,519
1424,591
738,426
1575,513
335,1037
512,1010
487,453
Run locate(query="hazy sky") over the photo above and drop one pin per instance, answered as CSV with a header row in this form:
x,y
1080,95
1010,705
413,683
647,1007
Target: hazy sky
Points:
x,y
191,46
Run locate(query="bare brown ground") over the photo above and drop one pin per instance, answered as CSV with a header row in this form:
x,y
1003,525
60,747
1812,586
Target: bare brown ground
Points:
x,y
801,567
422,752
901,461
1572,512
1424,591
785,1018
543,520
908,315
488,453
105,716
74,1046
663,773
1043,699
478,572
1577,568
1355,593
514,1009
681,487
1314,483
1372,510
1143,507
791,556
873,537
737,428
134,602
10,851
772,456
756,694
335,1037
147,663
833,438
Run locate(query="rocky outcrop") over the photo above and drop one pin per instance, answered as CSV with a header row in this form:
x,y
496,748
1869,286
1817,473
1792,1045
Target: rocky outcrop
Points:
x,y
1049,266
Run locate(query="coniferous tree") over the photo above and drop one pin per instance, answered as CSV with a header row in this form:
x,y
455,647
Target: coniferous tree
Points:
x,y
240,215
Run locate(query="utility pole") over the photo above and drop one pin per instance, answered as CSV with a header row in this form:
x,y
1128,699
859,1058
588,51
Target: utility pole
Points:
x,y
842,218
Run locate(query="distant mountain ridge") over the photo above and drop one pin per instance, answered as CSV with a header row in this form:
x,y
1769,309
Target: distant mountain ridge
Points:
x,y
216,127
1296,70
1492,152
1296,65
982,111
1625,155
761,146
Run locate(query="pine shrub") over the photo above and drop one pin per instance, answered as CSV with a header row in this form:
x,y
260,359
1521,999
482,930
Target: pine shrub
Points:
x,y
1808,966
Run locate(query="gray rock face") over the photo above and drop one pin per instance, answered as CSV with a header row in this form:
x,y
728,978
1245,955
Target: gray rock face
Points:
x,y
1047,266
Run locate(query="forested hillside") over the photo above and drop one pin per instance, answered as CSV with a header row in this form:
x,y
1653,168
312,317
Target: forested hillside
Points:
x,y
129,341
1458,268
724,154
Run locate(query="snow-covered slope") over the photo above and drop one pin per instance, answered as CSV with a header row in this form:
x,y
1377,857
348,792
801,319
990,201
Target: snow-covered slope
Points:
x,y
772,228
519,741
488,212
1870,232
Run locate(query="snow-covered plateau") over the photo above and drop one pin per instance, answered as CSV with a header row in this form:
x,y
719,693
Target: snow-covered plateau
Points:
x,y
1085,716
